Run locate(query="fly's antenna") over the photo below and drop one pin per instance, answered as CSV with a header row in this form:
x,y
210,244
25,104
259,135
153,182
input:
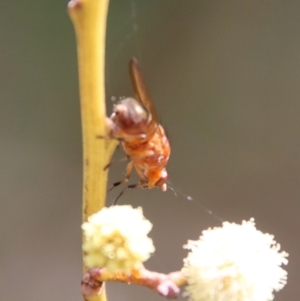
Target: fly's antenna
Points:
x,y
172,189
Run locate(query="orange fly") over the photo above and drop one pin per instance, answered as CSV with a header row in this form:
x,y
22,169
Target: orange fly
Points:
x,y
134,122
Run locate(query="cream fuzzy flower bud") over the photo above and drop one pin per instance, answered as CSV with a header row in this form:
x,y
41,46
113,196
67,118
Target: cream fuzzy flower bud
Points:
x,y
116,238
234,263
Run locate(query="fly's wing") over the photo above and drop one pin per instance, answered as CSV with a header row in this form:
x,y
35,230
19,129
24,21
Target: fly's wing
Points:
x,y
140,89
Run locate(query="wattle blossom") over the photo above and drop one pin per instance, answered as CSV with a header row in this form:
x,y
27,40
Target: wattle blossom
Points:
x,y
234,263
116,238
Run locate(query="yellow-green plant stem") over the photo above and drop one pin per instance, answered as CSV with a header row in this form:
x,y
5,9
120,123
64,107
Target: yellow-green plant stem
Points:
x,y
89,20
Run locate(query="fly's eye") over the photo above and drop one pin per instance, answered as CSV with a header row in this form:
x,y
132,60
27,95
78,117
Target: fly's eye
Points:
x,y
163,179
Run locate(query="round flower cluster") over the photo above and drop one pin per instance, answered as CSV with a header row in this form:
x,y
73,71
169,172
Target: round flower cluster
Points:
x,y
234,263
116,238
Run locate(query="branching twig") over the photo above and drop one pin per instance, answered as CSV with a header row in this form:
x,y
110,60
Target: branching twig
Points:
x,y
166,285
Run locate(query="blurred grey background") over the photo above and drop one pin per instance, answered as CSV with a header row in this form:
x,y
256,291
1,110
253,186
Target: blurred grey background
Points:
x,y
224,77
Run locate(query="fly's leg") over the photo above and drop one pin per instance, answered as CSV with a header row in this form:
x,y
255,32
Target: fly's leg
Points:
x,y
111,162
107,137
138,185
127,176
142,183
132,186
140,174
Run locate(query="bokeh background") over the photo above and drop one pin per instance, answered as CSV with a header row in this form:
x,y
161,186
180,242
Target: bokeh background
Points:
x,y
224,77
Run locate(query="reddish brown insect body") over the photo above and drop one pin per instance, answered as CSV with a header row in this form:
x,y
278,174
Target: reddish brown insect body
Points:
x,y
135,123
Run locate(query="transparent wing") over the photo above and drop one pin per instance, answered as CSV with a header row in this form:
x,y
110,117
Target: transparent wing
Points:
x,y
140,88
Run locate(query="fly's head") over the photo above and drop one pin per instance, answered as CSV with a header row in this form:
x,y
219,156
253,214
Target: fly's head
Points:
x,y
162,182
